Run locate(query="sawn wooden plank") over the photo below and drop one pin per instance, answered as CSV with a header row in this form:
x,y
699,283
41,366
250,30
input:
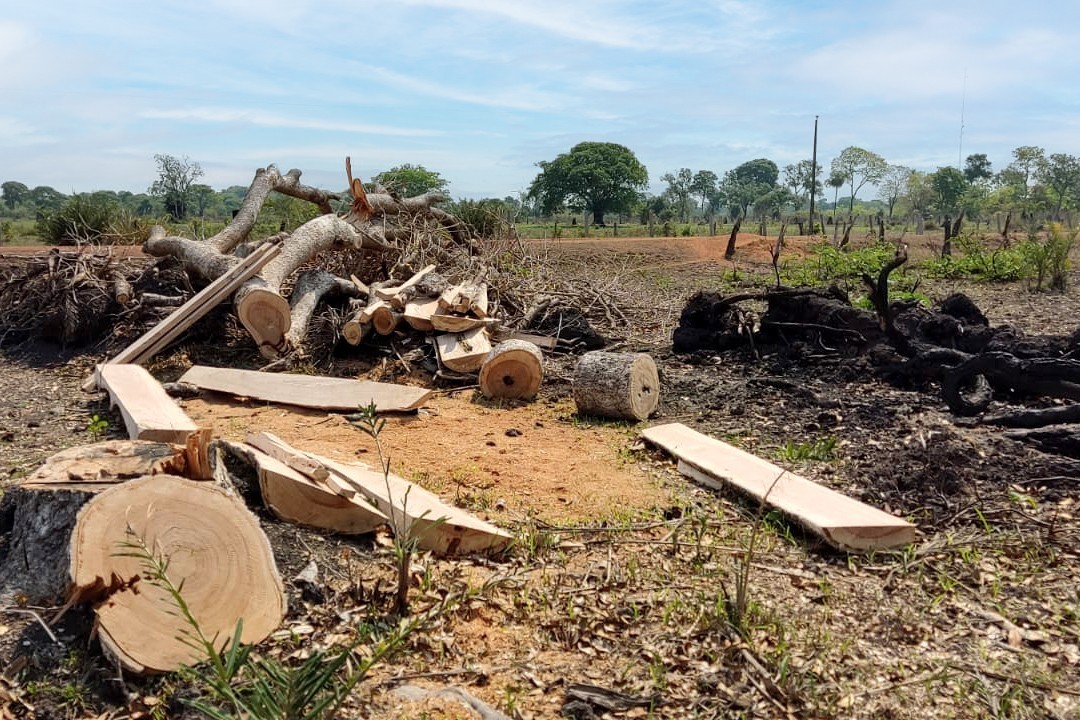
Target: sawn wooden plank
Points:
x,y
312,391
842,521
148,411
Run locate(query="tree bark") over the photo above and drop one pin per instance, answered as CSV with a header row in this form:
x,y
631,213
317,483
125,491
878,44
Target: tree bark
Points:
x,y
729,252
616,385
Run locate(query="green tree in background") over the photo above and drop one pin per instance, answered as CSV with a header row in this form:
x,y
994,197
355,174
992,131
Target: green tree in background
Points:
x,y
597,177
859,167
742,186
411,180
977,167
948,185
175,179
892,185
14,193
704,186
679,186
1060,174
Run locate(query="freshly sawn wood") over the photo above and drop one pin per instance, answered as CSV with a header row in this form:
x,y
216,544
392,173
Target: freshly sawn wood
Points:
x,y
616,385
154,340
213,544
148,411
842,521
513,370
313,391
294,497
463,352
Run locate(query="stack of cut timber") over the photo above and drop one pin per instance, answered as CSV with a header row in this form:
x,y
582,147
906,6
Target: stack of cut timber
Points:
x,y
843,522
351,497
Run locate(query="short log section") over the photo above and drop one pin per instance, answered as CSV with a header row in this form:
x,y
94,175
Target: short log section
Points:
x,y
843,522
624,386
513,370
214,546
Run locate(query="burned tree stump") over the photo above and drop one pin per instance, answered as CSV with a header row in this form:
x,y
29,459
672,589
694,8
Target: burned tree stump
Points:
x,y
616,385
512,370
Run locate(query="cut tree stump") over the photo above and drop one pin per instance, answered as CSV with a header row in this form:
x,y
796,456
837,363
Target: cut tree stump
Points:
x,y
463,352
294,497
842,521
213,545
625,386
312,391
513,370
148,411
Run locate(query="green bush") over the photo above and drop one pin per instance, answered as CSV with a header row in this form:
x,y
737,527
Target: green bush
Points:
x,y
1048,260
977,261
90,219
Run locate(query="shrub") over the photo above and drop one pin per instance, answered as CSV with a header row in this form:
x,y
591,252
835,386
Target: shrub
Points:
x,y
90,219
1047,261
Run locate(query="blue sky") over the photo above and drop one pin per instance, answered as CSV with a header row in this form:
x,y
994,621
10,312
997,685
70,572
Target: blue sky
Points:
x,y
481,91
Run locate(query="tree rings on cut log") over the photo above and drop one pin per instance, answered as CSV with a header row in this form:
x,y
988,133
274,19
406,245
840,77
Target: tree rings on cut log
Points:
x,y
513,370
625,386
266,316
213,545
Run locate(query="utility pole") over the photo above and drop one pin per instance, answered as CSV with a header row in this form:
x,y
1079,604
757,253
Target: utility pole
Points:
x,y
813,179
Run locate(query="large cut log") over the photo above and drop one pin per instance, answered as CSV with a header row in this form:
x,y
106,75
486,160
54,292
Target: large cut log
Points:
x,y
616,385
213,545
843,522
463,352
513,370
148,411
294,497
187,314
312,391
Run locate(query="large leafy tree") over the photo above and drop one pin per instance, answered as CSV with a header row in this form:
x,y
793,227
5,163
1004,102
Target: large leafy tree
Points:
x,y
1060,174
173,185
704,186
14,193
977,167
742,186
411,180
597,177
948,185
680,185
46,198
859,167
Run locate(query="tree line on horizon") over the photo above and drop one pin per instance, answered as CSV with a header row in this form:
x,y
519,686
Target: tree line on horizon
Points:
x,y
606,180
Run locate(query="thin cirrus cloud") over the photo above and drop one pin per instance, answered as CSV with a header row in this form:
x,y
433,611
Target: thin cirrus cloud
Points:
x,y
262,119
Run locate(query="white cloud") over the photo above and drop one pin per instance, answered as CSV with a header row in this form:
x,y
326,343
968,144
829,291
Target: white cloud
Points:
x,y
269,120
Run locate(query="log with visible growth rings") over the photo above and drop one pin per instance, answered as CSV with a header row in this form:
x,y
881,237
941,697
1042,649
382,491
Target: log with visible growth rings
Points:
x,y
214,546
625,386
512,370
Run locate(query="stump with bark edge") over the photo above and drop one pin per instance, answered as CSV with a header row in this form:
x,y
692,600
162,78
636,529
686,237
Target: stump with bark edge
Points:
x,y
213,545
624,386
512,370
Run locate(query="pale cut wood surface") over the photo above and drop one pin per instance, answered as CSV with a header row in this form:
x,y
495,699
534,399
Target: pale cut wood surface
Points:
x,y
214,545
418,314
463,352
438,526
294,497
155,339
148,411
107,462
842,521
312,391
513,370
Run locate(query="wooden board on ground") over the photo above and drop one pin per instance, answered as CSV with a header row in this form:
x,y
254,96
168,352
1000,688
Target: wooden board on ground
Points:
x,y
295,497
438,527
148,411
105,463
463,352
213,544
311,391
159,336
842,521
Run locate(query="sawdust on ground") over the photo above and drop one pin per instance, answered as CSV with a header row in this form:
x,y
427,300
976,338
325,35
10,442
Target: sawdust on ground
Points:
x,y
508,463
